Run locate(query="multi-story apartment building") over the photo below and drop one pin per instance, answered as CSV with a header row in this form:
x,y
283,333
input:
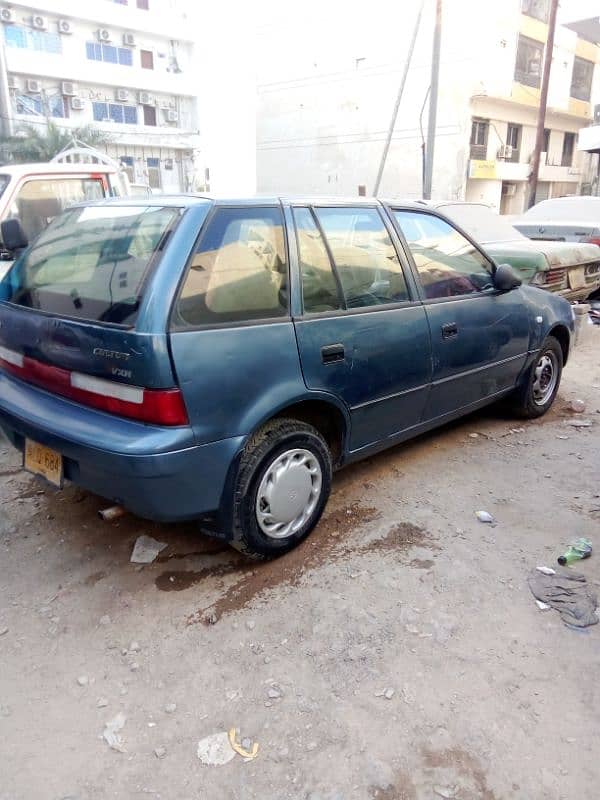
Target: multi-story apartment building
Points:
x,y
124,66
322,122
589,137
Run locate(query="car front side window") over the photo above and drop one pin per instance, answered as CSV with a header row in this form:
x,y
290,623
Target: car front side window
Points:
x,y
447,263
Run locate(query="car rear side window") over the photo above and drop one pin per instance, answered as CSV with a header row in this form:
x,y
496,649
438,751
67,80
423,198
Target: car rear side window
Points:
x,y
238,272
364,256
447,263
320,290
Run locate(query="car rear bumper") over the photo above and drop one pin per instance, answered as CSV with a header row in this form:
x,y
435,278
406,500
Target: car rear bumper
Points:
x,y
151,472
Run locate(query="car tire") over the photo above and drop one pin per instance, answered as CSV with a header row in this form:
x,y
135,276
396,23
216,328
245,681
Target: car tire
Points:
x,y
540,386
282,485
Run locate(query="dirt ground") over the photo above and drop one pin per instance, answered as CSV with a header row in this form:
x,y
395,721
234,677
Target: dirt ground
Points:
x,y
400,588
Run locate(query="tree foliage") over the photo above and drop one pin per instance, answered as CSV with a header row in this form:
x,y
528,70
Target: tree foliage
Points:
x,y
32,143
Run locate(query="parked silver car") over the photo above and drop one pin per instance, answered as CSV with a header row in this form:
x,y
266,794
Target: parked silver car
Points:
x,y
563,219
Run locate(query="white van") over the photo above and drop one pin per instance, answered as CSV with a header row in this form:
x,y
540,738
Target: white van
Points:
x,y
36,193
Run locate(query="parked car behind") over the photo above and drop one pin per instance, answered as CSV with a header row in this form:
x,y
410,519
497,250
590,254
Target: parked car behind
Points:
x,y
571,269
188,357
563,219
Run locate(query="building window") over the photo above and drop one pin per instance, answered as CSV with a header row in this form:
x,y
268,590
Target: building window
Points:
x,y
143,4
36,105
147,59
539,9
513,139
528,69
109,53
150,115
567,151
479,137
115,112
28,39
128,167
581,82
153,165
546,145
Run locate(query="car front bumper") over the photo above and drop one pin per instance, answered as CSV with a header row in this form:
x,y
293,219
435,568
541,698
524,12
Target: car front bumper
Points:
x,y
156,473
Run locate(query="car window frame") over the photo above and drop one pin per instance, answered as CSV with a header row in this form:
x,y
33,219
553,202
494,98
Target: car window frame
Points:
x,y
405,267
391,208
177,326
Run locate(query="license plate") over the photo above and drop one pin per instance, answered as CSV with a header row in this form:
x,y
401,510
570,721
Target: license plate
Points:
x,y
577,278
43,461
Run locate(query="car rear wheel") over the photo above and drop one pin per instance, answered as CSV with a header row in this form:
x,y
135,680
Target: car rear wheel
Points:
x,y
538,391
281,488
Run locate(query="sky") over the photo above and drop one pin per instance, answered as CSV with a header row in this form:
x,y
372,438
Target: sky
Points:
x,y
572,10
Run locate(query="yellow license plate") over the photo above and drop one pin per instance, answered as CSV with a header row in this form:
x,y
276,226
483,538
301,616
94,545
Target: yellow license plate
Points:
x,y
577,278
43,461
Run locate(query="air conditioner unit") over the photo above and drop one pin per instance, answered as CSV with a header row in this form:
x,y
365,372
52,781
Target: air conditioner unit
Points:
x,y
103,35
509,189
67,89
33,86
129,40
172,116
13,82
505,151
122,95
39,23
7,15
64,26
77,103
145,98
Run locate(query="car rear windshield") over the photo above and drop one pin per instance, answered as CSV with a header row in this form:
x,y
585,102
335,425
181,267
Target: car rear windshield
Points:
x,y
563,209
91,262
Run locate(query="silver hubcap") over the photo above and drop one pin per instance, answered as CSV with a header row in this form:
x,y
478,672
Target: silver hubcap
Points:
x,y
288,493
546,374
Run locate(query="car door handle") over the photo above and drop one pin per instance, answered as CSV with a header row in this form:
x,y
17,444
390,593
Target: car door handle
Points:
x,y
449,330
332,353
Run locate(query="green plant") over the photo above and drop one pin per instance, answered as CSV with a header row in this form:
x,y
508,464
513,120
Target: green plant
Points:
x,y
31,143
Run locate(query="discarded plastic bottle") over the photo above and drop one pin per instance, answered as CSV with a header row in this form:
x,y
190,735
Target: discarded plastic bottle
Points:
x,y
581,548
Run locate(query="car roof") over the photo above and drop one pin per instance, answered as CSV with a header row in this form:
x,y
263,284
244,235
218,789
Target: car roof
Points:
x,y
184,200
56,168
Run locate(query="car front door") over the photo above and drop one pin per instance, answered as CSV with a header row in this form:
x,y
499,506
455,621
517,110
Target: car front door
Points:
x,y
479,336
361,329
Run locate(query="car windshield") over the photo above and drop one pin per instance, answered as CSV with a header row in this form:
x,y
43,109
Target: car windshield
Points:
x,y
480,222
91,262
4,181
567,208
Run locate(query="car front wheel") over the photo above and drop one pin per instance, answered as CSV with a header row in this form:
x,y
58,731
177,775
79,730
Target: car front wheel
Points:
x,y
538,391
281,488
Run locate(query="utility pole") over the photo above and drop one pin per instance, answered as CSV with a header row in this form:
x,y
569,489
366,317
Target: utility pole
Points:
x,y
390,132
433,100
541,120
5,110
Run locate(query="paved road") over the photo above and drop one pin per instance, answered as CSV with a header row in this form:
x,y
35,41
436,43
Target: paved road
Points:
x,y
399,589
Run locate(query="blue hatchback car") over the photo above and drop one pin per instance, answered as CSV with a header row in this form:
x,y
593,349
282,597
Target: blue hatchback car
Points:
x,y
187,357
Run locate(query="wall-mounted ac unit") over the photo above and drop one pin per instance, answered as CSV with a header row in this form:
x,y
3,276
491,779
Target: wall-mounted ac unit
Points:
x,y
7,15
77,103
13,82
129,40
172,116
509,189
64,26
103,35
33,86
505,151
67,89
122,95
145,98
39,23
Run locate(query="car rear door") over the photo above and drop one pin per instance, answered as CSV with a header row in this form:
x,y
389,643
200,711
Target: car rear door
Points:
x,y
479,336
362,332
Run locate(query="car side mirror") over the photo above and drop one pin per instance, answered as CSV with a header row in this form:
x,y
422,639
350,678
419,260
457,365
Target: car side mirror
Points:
x,y
505,278
13,236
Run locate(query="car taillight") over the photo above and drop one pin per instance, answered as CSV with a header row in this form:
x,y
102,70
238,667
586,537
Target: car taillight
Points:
x,y
156,406
593,240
